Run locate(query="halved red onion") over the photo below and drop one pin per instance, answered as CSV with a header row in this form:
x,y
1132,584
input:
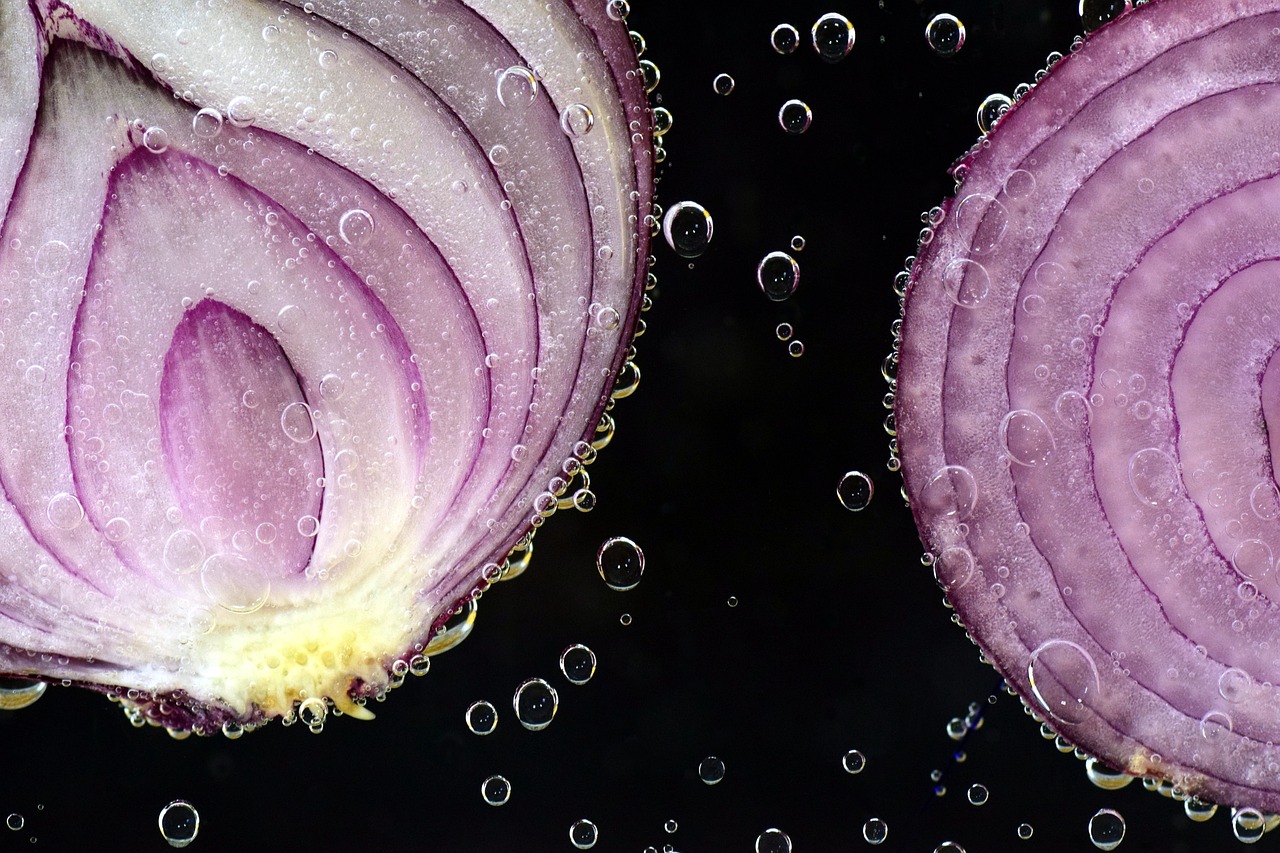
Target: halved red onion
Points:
x,y
1086,402
309,317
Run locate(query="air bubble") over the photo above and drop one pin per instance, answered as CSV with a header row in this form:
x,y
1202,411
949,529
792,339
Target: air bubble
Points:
x,y
578,663
875,831
517,87
535,704
355,227
1095,13
722,84
773,841
583,834
778,276
855,490
481,717
945,34
620,563
688,228
18,693
990,111
832,36
1106,829
853,762
495,790
794,116
179,823
577,120
784,38
711,770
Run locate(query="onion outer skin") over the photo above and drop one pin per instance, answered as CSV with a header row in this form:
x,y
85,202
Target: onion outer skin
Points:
x,y
340,620
1107,591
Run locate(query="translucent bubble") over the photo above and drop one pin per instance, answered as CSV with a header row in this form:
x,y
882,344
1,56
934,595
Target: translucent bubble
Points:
x,y
1095,13
52,258
617,10
308,525
155,140
578,663
297,423
688,228
481,717
794,116
242,111
15,821
966,282
773,841
797,243
855,490
355,227
875,831
1106,829
795,349
670,826
64,511
722,84
1198,810
853,762
711,770
620,563
291,319
778,276
1104,777
1153,476
951,492
991,109
785,38
583,834
652,75
832,36
18,693
179,823
234,584
978,794
577,120
517,87
1027,438
456,629
535,704
495,790
949,847
662,121
784,331
1064,678
327,59
945,34
1025,831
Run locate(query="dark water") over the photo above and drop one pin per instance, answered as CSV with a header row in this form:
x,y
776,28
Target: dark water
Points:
x,y
724,470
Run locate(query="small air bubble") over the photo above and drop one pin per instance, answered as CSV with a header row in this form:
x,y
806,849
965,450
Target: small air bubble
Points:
x,y
1095,13
711,770
722,84
1106,829
481,717
784,38
855,490
853,762
517,88
832,36
795,117
495,790
992,108
583,834
875,831
778,275
577,120
355,227
773,841
945,34
179,823
688,228
620,563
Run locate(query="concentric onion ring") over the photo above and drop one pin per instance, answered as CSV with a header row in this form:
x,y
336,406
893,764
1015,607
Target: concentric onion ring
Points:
x,y
1086,402
308,317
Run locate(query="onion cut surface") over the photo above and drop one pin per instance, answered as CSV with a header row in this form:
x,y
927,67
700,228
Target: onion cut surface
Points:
x,y
308,317
1088,397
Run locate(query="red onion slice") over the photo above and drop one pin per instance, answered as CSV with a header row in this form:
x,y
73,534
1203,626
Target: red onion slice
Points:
x,y
306,327
1086,397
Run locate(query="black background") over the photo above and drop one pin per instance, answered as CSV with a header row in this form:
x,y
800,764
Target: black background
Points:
x,y
724,470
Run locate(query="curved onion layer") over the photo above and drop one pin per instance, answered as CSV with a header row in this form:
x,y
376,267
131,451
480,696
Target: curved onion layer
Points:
x,y
308,316
1088,397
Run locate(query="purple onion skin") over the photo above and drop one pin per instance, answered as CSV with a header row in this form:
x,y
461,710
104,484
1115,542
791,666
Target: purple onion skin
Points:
x,y
294,374
1084,397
